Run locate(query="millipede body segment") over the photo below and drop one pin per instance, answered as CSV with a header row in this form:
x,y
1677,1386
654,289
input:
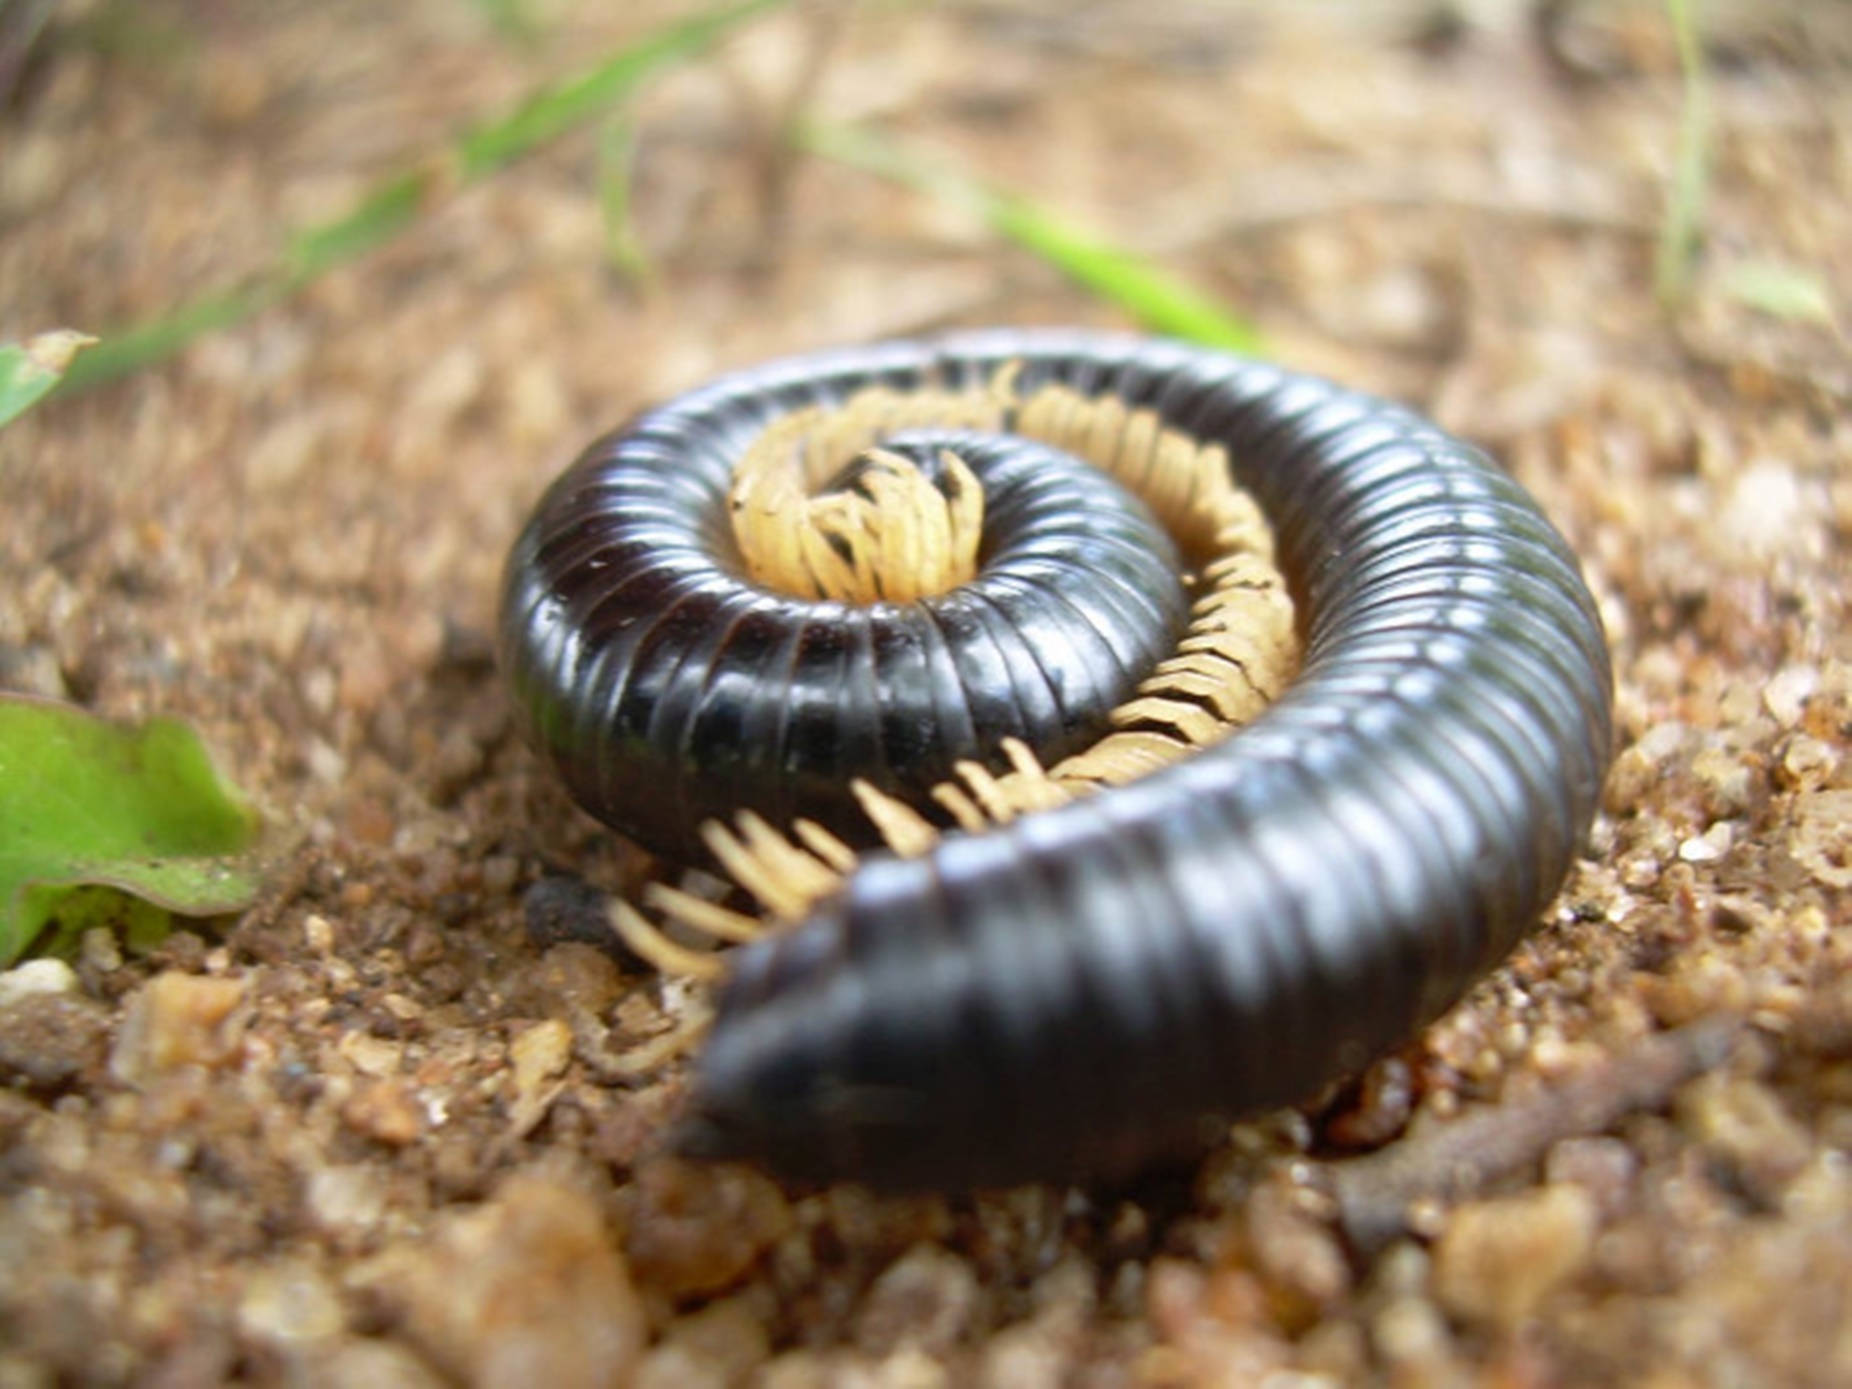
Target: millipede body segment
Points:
x,y
1073,991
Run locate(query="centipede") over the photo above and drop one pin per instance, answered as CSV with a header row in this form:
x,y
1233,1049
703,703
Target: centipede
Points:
x,y
1116,736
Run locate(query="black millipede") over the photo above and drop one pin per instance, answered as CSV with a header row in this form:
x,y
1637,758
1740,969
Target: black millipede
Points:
x,y
1069,993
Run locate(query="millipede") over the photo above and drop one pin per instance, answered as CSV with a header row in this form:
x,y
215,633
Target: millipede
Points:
x,y
1117,735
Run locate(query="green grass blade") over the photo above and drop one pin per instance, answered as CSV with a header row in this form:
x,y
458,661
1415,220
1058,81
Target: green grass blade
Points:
x,y
511,19
1680,229
1157,299
131,349
1791,293
617,159
391,206
552,112
380,215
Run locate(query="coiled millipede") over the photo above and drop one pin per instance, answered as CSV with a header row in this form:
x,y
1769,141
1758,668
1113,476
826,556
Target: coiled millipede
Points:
x,y
1060,973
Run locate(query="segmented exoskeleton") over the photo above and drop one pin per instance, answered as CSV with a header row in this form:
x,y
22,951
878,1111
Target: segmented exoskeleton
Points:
x,y
1069,992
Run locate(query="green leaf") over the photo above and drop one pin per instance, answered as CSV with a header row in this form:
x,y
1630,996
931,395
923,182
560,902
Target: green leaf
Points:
x,y
71,911
1780,290
84,803
28,371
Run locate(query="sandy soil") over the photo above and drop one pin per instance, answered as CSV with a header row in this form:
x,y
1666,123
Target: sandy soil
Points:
x,y
376,1131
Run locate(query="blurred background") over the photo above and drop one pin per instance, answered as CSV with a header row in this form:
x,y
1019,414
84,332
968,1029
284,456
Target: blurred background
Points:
x,y
1363,179
366,276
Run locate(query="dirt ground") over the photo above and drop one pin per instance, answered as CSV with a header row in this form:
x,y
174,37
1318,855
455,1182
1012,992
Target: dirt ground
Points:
x,y
375,1131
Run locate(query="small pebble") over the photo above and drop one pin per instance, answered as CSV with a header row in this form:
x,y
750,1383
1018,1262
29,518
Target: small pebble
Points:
x,y
178,1020
1808,763
318,933
525,1290
923,1299
1708,847
1743,1124
289,1306
99,950
714,1348
1786,694
1822,836
51,1038
373,1363
35,978
696,1229
1498,1260
385,1111
539,1053
1603,1167
345,1198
